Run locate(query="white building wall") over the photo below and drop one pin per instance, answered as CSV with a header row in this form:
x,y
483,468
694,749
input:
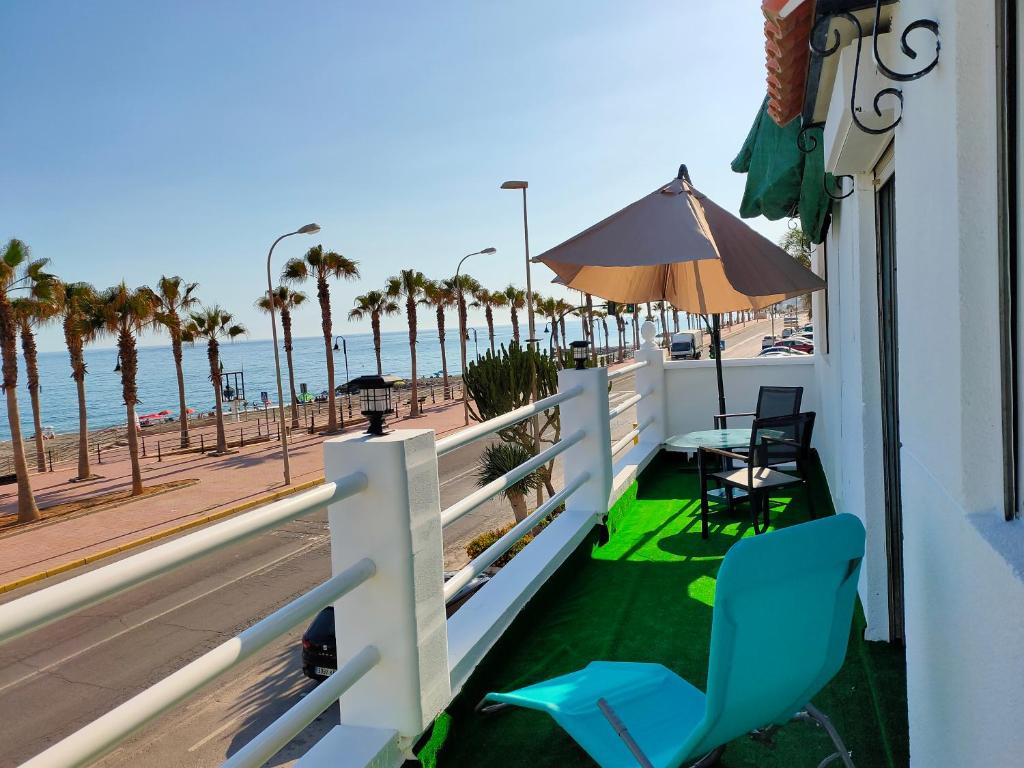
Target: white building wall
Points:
x,y
964,565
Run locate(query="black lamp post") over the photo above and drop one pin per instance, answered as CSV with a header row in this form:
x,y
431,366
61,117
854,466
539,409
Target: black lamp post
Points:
x,y
375,397
579,354
117,368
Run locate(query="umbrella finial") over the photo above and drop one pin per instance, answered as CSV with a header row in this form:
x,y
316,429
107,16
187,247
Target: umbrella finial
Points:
x,y
684,174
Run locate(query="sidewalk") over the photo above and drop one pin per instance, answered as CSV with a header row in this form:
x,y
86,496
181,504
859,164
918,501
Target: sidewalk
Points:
x,y
219,485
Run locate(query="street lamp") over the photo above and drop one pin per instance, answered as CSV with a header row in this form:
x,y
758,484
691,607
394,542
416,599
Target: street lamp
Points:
x,y
462,326
476,344
532,341
344,347
308,229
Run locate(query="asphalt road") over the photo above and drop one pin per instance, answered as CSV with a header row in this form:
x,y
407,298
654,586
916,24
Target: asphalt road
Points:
x,y
62,677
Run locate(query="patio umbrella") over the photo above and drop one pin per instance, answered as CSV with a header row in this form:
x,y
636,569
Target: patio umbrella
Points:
x,y
678,245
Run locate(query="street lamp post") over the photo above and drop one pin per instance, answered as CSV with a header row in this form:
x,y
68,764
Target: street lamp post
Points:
x,y
476,345
344,351
532,341
462,326
308,229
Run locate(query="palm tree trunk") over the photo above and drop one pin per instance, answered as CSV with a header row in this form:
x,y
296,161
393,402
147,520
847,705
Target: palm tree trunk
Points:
x,y
375,327
444,355
129,373
324,295
28,348
286,327
78,370
515,325
440,338
518,502
213,354
182,405
27,509
410,311
489,315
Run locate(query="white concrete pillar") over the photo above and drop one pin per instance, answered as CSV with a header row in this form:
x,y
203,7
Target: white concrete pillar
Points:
x,y
650,382
587,411
396,522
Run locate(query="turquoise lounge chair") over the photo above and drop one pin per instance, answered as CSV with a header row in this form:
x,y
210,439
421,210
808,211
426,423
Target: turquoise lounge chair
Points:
x,y
783,607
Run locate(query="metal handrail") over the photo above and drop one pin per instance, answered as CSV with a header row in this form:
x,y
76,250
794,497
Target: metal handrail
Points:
x,y
631,435
484,560
628,403
104,734
510,478
612,375
489,427
48,605
269,741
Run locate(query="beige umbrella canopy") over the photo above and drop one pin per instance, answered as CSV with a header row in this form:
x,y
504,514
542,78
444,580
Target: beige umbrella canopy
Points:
x,y
678,245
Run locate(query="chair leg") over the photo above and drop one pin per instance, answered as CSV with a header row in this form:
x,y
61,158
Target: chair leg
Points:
x,y
814,715
703,496
755,511
767,510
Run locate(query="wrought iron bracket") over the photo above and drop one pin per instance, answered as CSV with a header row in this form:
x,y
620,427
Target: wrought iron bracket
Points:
x,y
839,186
901,77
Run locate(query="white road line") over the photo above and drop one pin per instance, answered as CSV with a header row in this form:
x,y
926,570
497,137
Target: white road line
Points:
x,y
211,736
459,476
160,615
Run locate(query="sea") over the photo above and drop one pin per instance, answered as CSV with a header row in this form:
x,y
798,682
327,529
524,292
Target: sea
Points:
x,y
158,389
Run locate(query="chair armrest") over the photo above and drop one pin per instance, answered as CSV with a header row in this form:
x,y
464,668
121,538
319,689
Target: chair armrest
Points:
x,y
721,452
720,417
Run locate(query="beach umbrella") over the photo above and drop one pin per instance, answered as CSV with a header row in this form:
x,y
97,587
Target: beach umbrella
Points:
x,y
678,245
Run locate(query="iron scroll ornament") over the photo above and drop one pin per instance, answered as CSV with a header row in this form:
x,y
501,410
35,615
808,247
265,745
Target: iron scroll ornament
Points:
x,y
839,186
891,74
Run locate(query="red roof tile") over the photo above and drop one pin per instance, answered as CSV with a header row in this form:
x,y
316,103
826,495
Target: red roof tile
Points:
x,y
786,46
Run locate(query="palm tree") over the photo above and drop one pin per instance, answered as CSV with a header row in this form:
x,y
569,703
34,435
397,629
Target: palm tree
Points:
x,y
515,299
441,295
18,272
125,312
176,296
31,313
214,324
74,304
496,461
374,305
285,300
410,284
489,301
464,286
322,265
562,310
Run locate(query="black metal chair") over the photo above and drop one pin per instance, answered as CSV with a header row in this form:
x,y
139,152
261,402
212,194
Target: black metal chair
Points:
x,y
773,442
771,401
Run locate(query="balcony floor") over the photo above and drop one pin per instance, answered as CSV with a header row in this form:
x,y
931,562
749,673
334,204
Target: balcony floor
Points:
x,y
647,595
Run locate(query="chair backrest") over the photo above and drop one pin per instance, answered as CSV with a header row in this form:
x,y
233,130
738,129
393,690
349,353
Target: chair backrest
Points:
x,y
781,439
783,607
778,401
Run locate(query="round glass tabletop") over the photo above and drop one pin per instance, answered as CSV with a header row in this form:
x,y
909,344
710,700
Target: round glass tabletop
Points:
x,y
709,438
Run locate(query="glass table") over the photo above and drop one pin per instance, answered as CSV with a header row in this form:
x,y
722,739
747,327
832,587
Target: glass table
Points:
x,y
725,439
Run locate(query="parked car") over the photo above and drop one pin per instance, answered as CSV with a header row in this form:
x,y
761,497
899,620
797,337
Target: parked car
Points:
x,y
319,644
800,345
787,332
780,351
348,388
767,341
808,329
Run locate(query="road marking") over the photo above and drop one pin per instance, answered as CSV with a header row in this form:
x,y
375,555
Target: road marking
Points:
x,y
211,736
459,476
160,615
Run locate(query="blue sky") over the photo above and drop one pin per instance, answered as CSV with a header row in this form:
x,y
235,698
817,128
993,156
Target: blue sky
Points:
x,y
143,139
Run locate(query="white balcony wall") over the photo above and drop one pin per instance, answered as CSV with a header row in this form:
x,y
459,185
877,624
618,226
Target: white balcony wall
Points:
x,y
693,391
964,565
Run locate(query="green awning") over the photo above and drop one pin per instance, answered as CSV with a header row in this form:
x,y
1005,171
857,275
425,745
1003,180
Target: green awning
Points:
x,y
782,181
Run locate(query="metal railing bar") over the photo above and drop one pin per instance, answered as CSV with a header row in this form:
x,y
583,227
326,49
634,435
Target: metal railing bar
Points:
x,y
612,375
510,478
629,436
484,560
105,733
48,605
269,741
625,405
489,427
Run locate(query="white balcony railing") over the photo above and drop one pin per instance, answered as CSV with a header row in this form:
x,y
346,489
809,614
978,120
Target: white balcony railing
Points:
x,y
403,662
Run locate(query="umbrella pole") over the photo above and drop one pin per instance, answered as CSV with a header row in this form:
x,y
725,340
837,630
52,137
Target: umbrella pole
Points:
x,y
716,339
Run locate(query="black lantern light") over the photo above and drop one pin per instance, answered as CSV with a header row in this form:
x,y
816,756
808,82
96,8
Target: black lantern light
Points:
x,y
579,354
375,395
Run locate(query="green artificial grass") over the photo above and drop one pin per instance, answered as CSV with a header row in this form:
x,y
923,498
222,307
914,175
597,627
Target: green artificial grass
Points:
x,y
647,595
